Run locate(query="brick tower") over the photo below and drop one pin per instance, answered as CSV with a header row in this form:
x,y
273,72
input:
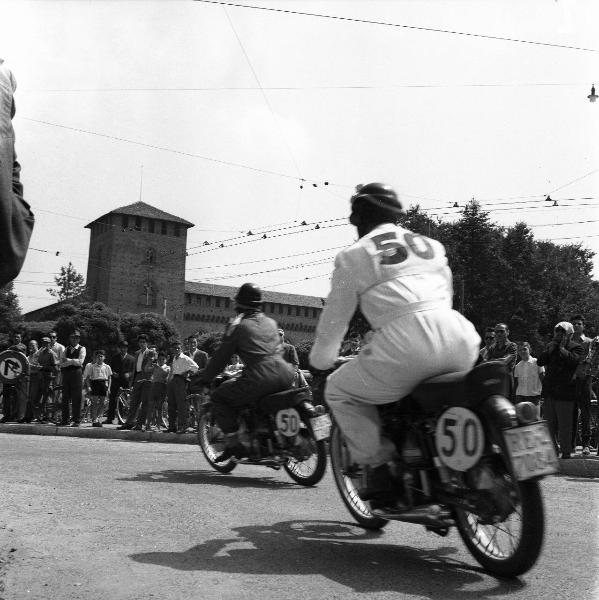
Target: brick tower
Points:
x,y
137,260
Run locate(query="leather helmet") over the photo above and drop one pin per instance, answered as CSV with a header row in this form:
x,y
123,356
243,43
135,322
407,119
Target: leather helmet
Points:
x,y
379,195
250,295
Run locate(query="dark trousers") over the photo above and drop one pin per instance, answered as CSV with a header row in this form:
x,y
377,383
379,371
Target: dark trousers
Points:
x,y
559,418
13,395
157,396
176,393
230,397
582,407
139,401
72,385
115,388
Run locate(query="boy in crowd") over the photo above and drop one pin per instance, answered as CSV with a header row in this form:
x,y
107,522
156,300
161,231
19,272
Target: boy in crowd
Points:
x,y
96,378
157,393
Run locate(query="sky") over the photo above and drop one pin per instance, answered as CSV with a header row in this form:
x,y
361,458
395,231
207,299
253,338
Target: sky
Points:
x,y
234,118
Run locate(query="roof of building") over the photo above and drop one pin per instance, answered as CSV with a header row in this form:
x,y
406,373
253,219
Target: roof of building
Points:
x,y
227,291
141,209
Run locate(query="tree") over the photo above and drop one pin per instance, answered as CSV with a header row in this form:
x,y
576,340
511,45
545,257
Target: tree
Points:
x,y
160,330
10,311
71,284
208,342
98,325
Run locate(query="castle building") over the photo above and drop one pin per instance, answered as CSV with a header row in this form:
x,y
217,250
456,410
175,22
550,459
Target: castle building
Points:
x,y
136,264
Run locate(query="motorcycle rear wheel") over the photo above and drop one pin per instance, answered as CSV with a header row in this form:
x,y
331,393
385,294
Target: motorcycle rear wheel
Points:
x,y
212,442
511,547
340,463
311,470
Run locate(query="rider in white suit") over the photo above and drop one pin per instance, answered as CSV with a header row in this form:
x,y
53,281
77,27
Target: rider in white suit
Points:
x,y
403,286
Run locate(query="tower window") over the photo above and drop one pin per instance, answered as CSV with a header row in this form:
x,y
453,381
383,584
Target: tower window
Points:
x,y
217,302
125,221
137,223
163,227
177,230
151,225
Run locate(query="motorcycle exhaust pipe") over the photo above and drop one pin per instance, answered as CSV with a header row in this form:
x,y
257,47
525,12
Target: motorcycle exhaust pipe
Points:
x,y
431,515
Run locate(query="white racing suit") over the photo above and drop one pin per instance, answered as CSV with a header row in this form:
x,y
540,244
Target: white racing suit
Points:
x,y
403,285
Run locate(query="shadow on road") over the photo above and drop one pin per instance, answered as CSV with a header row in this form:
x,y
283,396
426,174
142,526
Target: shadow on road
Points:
x,y
211,477
343,553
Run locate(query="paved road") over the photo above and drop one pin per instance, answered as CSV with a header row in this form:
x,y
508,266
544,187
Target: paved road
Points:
x,y
97,519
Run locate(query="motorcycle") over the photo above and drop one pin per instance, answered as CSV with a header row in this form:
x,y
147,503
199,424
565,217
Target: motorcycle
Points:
x,y
282,430
466,457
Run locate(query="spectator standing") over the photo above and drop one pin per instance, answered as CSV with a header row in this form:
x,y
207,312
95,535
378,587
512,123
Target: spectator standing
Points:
x,y
583,392
160,373
176,389
48,367
528,376
16,219
351,347
71,366
503,349
198,356
122,365
25,408
592,361
290,355
97,376
234,367
142,382
15,394
560,359
489,339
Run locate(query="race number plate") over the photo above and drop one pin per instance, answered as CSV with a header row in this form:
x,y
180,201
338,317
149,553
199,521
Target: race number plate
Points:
x,y
288,422
321,426
532,450
459,438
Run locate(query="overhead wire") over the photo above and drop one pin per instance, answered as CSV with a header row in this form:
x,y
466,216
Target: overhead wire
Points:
x,y
400,25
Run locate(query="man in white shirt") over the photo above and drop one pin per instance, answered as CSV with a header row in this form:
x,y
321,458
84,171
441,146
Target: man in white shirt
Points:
x,y
403,285
528,377
176,389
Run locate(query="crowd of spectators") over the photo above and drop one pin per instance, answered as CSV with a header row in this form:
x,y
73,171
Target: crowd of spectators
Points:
x,y
153,378
558,381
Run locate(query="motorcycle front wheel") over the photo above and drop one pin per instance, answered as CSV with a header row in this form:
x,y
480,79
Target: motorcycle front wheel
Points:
x,y
341,464
212,442
512,546
310,470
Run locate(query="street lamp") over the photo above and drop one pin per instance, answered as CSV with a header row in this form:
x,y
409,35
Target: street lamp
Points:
x,y
592,96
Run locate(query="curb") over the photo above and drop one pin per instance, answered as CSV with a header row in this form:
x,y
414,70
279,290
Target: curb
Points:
x,y
577,466
107,432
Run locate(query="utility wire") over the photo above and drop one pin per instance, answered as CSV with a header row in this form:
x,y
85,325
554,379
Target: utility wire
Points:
x,y
165,149
402,26
266,100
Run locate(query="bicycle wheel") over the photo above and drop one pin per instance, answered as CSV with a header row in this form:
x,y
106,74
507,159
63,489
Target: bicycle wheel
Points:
x,y
123,404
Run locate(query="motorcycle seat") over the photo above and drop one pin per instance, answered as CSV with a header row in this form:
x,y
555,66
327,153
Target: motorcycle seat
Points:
x,y
449,387
285,399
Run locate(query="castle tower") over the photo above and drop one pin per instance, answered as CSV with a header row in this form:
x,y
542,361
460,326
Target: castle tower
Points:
x,y
137,260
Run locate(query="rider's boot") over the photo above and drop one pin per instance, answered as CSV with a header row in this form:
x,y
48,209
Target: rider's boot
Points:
x,y
384,489
233,448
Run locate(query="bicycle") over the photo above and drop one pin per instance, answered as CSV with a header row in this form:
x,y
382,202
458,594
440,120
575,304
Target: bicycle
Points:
x,y
123,404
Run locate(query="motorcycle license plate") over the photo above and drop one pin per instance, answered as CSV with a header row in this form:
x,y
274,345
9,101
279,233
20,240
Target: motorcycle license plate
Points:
x,y
532,450
321,426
